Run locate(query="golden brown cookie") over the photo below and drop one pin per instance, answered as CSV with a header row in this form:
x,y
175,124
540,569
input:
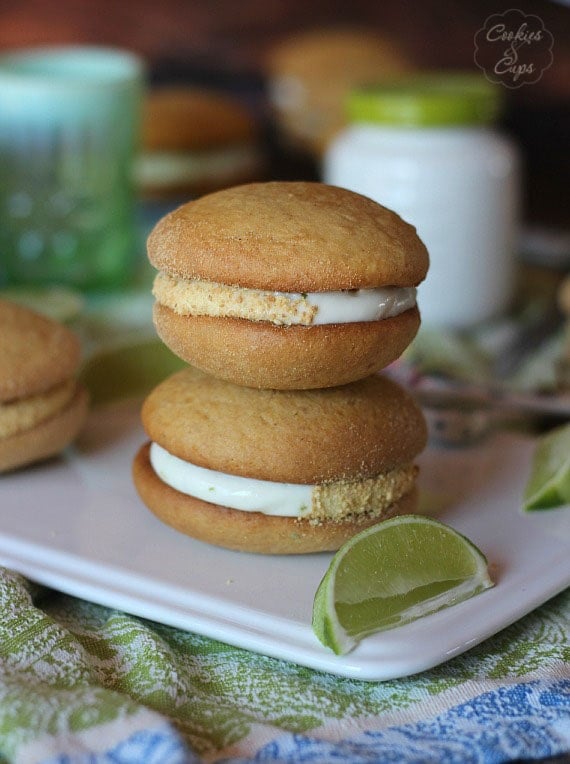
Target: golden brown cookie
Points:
x,y
37,353
42,407
193,141
314,466
231,262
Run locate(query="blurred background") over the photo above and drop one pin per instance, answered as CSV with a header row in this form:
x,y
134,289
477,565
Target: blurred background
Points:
x,y
226,45
247,52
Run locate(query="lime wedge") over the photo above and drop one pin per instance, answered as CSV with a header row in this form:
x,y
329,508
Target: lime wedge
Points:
x,y
549,483
128,370
391,574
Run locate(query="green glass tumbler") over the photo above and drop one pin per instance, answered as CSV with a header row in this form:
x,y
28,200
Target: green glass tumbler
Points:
x,y
69,129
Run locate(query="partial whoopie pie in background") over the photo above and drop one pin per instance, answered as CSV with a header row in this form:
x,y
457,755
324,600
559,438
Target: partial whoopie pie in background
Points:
x,y
277,472
42,407
195,140
286,285
311,73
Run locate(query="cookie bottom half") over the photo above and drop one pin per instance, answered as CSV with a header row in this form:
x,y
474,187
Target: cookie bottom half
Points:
x,y
47,438
263,355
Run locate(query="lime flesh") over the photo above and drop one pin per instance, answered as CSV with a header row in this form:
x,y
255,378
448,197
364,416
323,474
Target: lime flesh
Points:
x,y
391,574
549,482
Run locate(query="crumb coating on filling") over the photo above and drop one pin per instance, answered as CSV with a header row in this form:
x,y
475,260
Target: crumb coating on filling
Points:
x,y
342,500
208,298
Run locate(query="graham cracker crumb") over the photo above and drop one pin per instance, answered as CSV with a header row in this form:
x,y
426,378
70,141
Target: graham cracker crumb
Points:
x,y
209,298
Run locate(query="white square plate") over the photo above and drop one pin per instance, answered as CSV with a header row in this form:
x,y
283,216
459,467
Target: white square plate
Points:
x,y
77,525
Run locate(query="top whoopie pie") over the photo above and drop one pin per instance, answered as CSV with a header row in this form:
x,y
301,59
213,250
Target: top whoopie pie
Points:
x,y
286,285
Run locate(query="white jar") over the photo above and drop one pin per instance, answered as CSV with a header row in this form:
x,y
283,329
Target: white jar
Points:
x,y
428,152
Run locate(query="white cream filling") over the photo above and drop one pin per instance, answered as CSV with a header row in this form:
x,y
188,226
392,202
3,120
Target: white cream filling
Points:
x,y
166,168
196,297
359,304
247,494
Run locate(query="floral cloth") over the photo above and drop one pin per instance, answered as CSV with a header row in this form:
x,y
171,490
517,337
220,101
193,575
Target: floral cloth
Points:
x,y
83,683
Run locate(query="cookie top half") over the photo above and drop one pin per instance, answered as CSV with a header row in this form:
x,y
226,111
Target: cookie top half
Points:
x,y
178,118
290,237
309,436
36,352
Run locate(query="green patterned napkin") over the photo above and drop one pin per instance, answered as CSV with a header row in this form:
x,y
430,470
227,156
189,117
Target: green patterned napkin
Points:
x,y
84,683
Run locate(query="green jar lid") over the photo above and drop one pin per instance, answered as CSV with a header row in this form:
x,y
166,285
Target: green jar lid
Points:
x,y
427,101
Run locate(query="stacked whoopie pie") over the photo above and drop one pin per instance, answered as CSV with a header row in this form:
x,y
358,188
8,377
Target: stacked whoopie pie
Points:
x,y
285,298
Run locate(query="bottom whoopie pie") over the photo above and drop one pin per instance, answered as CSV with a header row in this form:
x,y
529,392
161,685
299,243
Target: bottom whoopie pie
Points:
x,y
277,472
